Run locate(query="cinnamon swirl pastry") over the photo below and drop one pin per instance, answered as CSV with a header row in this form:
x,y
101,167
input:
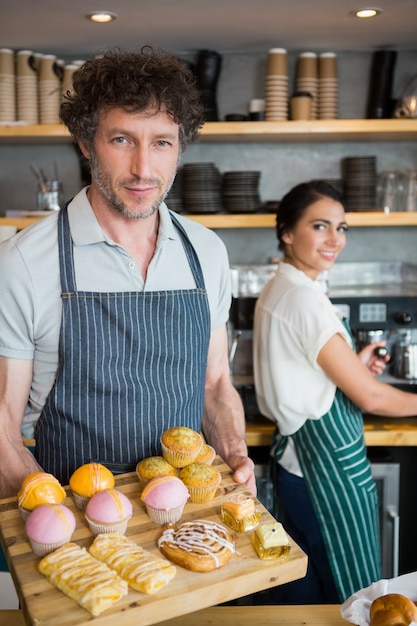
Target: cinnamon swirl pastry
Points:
x,y
198,545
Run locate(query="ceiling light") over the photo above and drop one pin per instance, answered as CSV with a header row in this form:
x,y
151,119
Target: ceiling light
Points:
x,y
102,16
367,12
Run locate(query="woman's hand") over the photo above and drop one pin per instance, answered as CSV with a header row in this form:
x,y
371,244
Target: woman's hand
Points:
x,y
375,364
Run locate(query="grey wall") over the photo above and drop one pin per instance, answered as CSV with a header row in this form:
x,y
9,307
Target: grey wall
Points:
x,y
282,165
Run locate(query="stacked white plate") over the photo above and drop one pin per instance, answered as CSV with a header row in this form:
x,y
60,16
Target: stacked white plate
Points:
x,y
276,85
307,79
7,86
26,88
328,87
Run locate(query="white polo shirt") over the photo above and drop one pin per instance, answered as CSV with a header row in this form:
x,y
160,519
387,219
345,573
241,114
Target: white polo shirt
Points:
x,y
30,288
294,319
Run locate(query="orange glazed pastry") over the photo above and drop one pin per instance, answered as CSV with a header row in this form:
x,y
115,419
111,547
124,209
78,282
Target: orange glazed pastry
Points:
x,y
201,481
180,445
87,480
39,488
239,513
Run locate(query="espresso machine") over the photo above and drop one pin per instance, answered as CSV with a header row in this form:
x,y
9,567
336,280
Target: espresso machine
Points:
x,y
379,299
380,302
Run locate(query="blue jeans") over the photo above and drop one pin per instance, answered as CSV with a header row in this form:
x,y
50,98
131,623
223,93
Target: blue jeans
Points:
x,y
299,520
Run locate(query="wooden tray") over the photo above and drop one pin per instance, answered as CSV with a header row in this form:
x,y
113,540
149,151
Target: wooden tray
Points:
x,y
245,573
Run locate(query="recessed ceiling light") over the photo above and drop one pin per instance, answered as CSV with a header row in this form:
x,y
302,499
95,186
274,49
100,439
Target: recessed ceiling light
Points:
x,y
367,12
102,16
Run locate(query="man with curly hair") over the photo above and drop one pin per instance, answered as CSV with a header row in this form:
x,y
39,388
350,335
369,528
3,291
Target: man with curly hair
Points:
x,y
113,311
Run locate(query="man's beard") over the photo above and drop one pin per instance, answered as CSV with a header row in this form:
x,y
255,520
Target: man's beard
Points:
x,y
103,184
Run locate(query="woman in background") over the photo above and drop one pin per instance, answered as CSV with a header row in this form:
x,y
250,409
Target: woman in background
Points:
x,y
312,384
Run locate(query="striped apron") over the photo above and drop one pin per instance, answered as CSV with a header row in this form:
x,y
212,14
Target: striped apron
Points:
x,y
131,364
332,456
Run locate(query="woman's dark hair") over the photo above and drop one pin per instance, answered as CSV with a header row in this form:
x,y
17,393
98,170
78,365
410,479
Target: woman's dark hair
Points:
x,y
295,203
133,81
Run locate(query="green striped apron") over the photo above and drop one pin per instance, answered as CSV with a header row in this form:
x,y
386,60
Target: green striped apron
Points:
x,y
332,456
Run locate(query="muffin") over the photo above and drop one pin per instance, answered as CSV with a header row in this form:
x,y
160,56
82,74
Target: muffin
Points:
x,y
239,513
108,511
165,498
48,527
201,481
151,467
206,455
39,488
87,480
180,445
271,541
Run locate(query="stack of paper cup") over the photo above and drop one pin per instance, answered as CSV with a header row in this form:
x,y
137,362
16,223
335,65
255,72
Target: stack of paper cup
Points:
x,y
26,88
67,78
49,90
7,86
276,85
307,79
328,86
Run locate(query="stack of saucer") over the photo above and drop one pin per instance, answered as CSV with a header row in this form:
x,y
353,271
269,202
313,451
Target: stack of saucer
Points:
x,y
26,88
49,90
307,79
360,182
7,86
276,85
201,188
240,192
328,86
174,196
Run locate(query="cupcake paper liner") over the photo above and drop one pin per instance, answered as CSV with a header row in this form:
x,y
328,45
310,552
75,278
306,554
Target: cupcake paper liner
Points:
x,y
80,501
177,459
161,517
200,495
97,528
41,549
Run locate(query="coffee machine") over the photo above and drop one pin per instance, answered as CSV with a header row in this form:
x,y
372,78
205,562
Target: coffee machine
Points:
x,y
379,299
380,302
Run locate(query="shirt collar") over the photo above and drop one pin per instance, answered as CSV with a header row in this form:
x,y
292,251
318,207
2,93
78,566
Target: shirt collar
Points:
x,y
85,229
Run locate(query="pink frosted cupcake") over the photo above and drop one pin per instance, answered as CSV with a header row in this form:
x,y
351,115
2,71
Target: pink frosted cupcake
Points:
x,y
48,527
165,498
108,511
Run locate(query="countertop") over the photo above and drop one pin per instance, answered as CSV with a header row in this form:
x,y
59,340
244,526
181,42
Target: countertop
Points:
x,y
308,615
379,431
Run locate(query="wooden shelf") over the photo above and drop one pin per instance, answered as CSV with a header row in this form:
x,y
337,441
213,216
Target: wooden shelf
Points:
x,y
288,131
258,220
311,131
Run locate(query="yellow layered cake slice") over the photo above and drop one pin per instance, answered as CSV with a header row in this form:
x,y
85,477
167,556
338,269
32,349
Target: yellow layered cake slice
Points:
x,y
271,541
141,569
92,584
